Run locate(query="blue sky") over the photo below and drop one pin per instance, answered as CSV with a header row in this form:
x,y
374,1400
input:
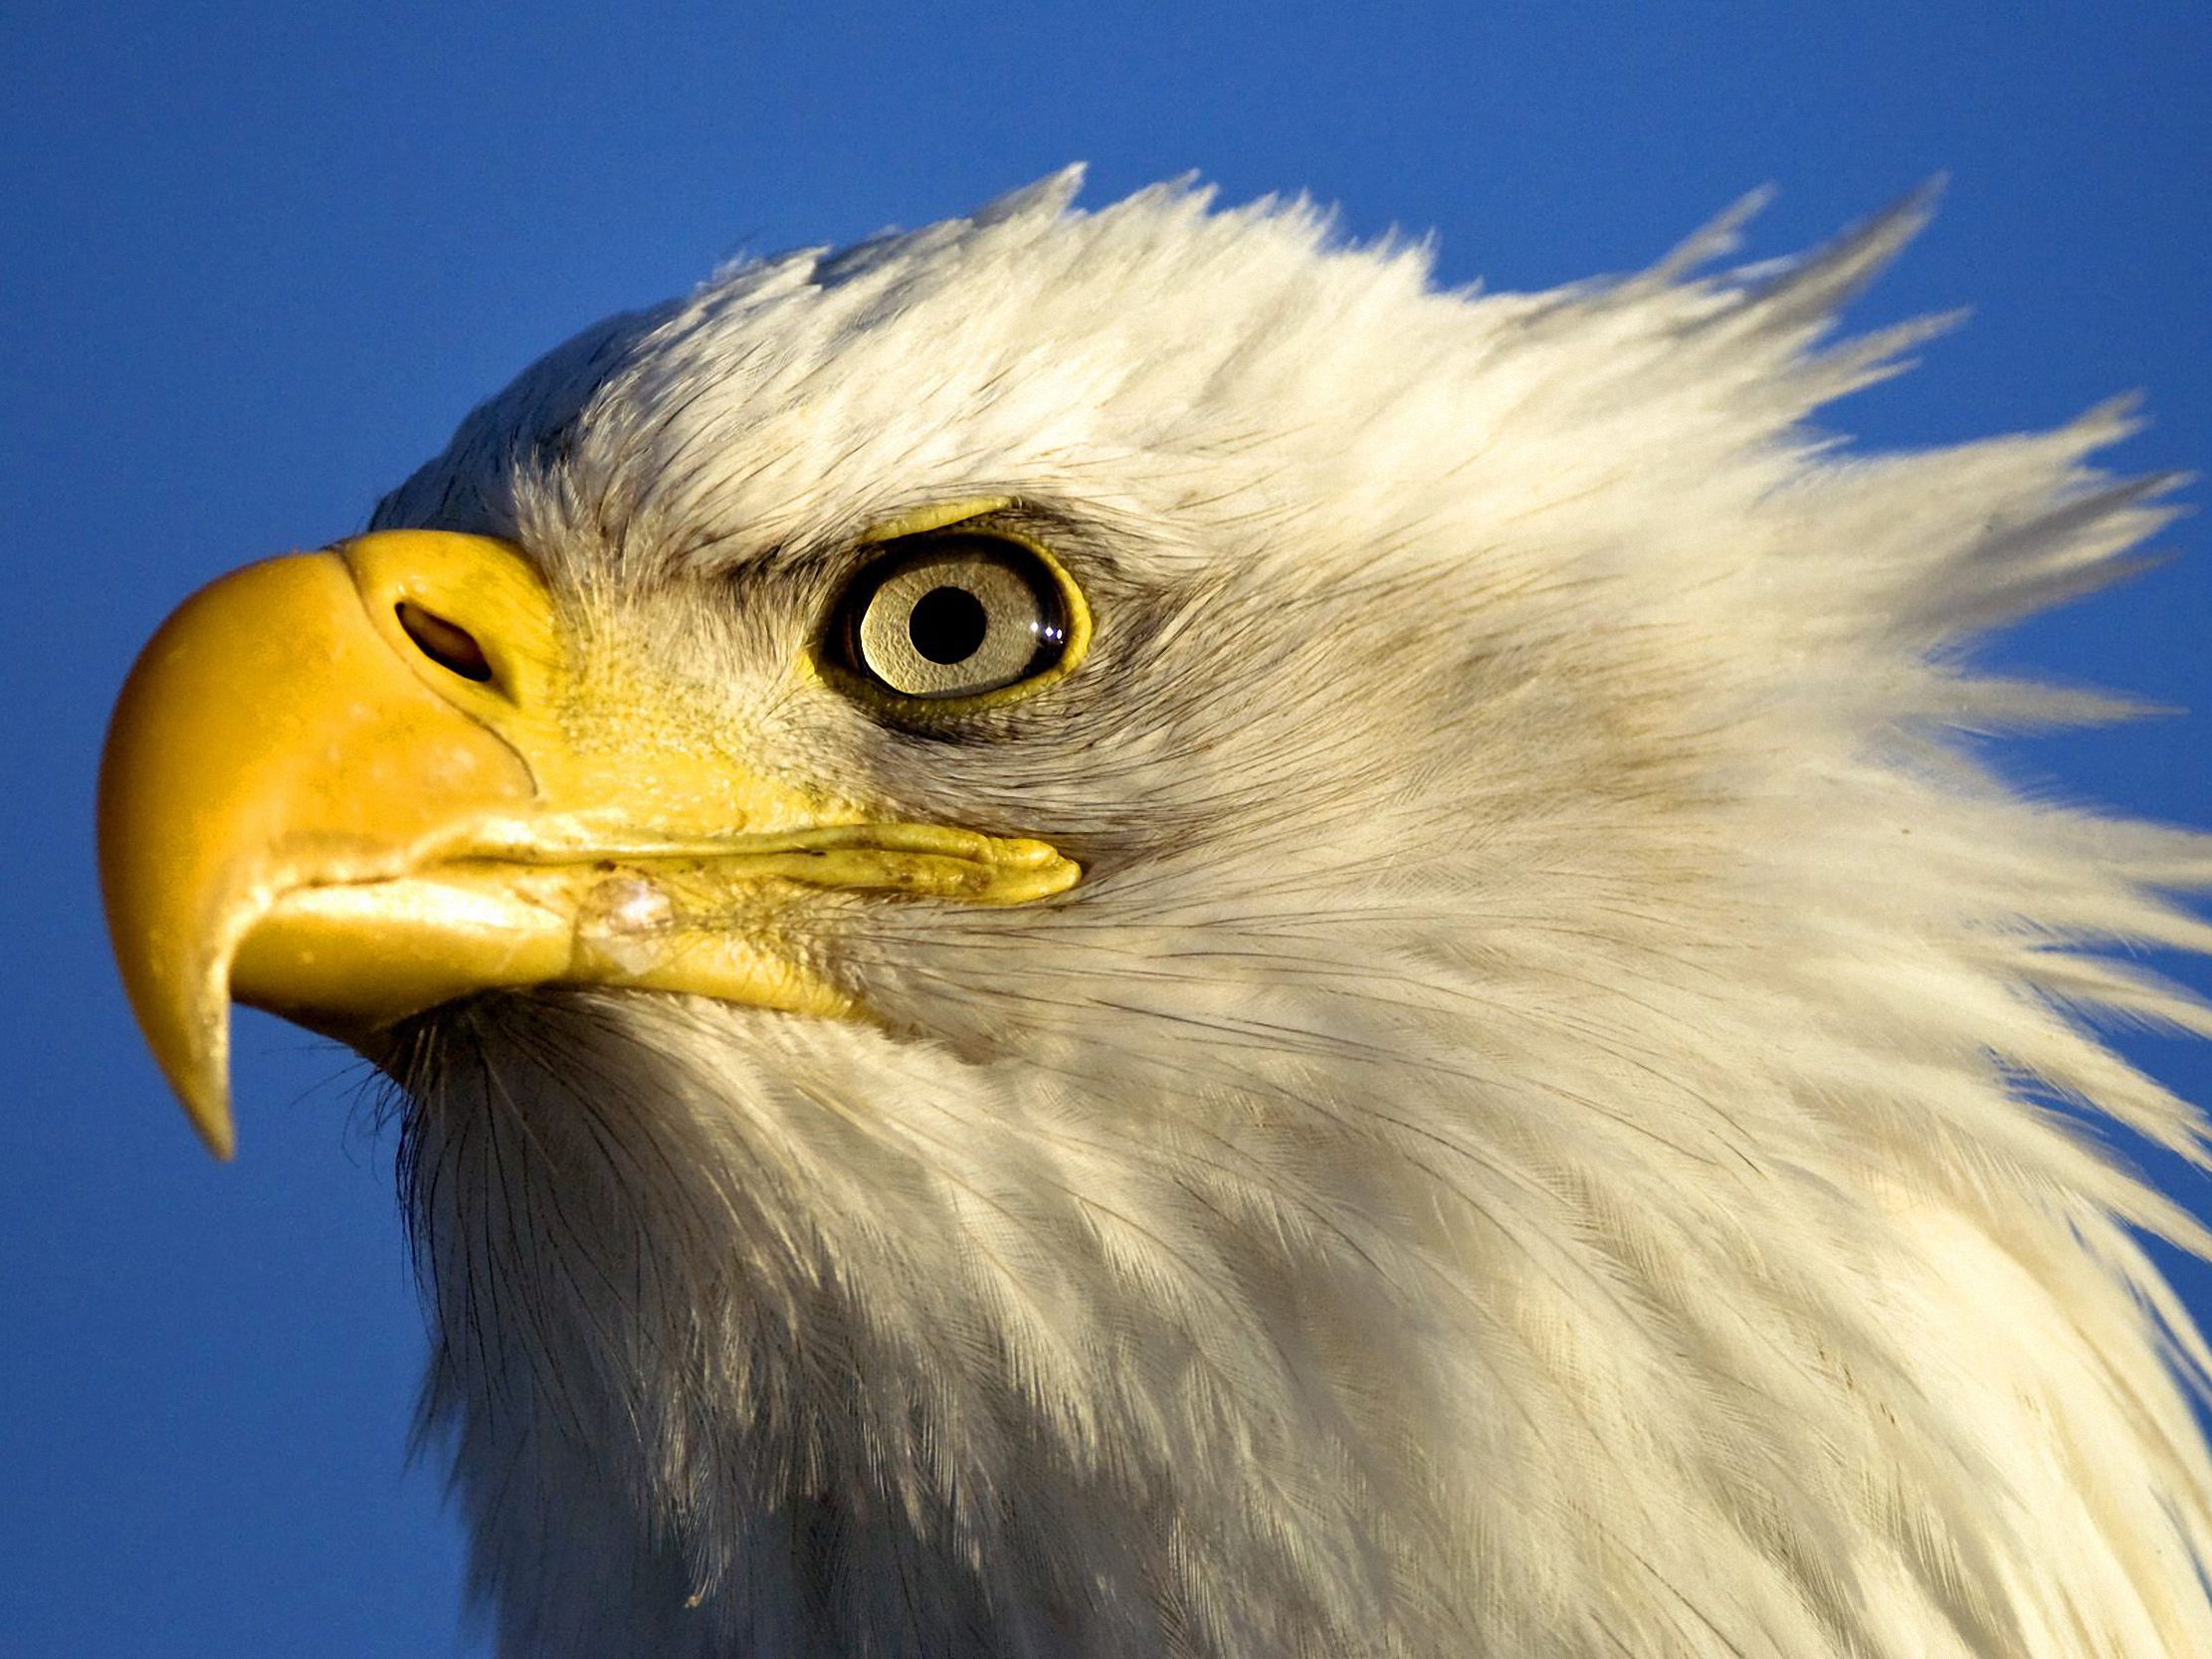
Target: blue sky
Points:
x,y
261,257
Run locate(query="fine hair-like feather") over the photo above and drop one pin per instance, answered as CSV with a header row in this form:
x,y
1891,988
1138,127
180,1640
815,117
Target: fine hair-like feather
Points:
x,y
1560,1120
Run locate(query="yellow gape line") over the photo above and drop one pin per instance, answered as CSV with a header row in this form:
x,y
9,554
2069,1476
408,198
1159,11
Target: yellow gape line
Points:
x,y
337,786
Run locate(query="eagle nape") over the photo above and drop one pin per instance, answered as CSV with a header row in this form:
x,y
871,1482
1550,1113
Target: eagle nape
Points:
x,y
1112,934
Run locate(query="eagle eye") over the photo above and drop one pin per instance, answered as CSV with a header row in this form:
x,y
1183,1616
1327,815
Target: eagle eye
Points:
x,y
956,616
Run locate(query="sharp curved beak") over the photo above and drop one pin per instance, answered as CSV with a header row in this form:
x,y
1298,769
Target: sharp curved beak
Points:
x,y
346,786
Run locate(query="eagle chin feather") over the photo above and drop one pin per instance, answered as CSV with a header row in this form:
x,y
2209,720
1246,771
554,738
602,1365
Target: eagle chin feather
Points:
x,y
1561,1119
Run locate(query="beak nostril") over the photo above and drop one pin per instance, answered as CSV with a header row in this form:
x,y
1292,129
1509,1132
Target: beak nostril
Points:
x,y
447,644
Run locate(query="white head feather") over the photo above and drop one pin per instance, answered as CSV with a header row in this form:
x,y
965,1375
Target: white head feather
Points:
x,y
1540,1132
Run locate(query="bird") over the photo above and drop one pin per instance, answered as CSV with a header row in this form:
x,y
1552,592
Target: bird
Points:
x,y
1115,932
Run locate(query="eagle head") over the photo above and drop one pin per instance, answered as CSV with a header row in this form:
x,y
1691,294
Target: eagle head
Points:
x,y
1113,933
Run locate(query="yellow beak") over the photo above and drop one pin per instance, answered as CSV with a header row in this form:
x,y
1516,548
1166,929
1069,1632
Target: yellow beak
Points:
x,y
348,787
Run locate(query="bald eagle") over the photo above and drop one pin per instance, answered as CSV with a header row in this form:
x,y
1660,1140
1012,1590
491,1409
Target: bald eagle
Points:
x,y
1113,934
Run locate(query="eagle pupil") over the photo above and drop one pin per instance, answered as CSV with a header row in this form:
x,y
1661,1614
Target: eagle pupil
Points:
x,y
947,624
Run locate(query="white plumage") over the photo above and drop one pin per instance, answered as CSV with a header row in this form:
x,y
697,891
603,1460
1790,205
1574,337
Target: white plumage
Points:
x,y
1557,1121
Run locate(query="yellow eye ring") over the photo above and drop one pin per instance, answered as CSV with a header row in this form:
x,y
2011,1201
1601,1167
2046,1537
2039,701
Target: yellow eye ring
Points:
x,y
954,621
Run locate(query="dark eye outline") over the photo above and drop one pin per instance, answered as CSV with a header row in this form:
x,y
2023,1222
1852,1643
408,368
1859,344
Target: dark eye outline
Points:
x,y
836,655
